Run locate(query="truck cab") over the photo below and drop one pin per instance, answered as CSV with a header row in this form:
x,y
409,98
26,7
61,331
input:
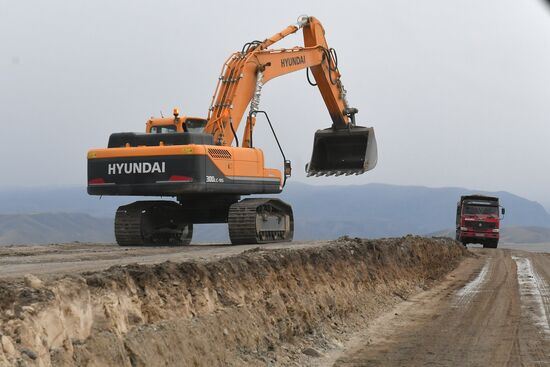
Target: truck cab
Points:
x,y
478,220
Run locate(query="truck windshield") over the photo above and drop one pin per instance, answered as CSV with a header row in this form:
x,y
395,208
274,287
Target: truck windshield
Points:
x,y
478,209
163,129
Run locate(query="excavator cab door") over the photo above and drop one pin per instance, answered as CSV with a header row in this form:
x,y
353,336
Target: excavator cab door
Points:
x,y
344,151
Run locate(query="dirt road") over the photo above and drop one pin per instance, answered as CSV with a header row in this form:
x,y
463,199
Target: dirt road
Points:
x,y
493,310
56,259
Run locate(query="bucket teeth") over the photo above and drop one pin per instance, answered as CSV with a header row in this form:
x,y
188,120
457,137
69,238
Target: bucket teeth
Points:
x,y
348,172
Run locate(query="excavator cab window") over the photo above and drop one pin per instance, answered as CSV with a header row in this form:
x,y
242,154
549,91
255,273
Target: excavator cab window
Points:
x,y
163,129
195,125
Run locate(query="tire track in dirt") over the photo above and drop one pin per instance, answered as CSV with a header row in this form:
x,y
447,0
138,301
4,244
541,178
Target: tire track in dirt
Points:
x,y
482,321
466,294
534,292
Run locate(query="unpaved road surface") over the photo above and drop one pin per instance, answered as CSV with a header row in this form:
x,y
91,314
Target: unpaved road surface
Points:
x,y
56,259
493,310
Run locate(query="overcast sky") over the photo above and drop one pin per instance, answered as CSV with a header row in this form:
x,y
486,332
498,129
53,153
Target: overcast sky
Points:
x,y
458,91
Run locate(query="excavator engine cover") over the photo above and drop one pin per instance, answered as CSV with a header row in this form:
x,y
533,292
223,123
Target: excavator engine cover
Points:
x,y
344,151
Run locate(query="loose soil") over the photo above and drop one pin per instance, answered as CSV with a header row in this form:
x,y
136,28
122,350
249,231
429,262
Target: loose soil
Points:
x,y
286,305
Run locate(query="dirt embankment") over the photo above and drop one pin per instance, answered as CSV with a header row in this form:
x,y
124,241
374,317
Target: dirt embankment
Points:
x,y
256,308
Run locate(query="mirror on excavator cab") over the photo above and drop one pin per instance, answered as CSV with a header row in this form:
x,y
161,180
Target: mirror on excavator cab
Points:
x,y
344,151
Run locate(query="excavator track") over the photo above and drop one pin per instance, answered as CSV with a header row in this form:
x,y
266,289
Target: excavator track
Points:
x,y
262,220
128,226
151,223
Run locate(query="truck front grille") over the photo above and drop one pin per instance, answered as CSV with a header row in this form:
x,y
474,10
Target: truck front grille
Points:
x,y
479,225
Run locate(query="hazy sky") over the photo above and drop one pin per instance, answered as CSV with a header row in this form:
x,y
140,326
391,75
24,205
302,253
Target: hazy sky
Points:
x,y
458,91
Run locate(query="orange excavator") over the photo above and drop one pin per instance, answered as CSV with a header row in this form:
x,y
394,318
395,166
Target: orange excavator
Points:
x,y
203,165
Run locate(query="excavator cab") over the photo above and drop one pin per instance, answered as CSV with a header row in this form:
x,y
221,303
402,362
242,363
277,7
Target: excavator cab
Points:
x,y
350,150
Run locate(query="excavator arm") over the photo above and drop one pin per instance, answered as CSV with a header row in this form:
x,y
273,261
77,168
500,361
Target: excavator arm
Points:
x,y
341,149
246,72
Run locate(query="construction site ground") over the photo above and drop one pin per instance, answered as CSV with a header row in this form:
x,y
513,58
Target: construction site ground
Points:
x,y
407,301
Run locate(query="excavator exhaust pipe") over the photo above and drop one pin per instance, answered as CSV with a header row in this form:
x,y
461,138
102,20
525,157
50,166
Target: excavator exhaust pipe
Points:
x,y
348,151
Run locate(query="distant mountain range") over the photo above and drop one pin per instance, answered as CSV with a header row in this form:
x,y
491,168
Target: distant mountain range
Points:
x,y
525,235
321,212
54,228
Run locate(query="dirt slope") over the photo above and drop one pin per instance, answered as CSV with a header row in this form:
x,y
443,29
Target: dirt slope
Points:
x,y
260,307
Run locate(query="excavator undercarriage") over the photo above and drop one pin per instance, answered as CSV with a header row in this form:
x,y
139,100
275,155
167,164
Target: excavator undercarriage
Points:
x,y
250,221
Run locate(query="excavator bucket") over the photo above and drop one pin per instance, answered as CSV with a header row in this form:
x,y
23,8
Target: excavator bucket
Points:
x,y
343,152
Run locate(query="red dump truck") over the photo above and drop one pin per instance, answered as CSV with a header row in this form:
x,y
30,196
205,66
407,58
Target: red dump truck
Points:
x,y
478,220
